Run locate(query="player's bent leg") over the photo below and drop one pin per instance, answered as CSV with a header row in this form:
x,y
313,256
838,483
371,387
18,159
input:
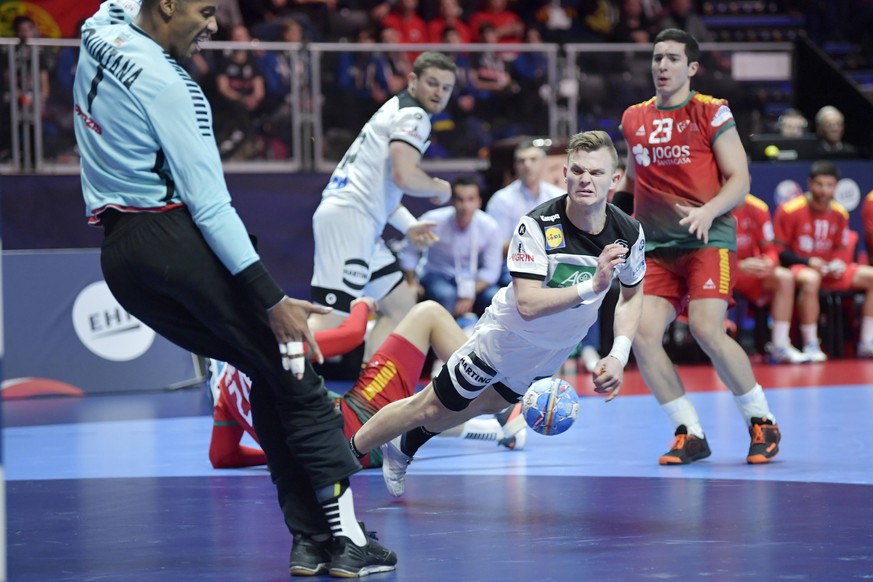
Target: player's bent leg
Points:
x,y
392,309
421,409
320,321
428,324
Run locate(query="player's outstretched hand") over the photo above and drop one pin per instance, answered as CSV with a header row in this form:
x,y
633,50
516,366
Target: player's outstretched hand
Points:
x,y
421,235
607,377
288,321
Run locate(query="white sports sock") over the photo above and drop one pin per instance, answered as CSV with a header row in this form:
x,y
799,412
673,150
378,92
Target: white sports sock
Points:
x,y
867,331
809,333
780,333
754,403
681,411
483,429
340,513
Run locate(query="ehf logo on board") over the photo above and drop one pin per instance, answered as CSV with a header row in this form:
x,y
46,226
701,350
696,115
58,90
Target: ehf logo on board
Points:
x,y
106,329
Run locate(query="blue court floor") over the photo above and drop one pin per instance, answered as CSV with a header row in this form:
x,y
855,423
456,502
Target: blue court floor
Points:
x,y
120,488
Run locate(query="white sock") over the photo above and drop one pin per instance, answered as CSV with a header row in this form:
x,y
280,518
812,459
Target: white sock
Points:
x,y
780,334
340,512
681,411
754,403
809,333
482,429
867,330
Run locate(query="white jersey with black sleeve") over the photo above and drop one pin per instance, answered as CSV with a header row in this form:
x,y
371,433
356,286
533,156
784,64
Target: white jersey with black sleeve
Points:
x,y
547,247
362,179
144,129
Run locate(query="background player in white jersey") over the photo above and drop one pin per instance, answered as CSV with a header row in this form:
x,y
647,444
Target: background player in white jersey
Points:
x,y
177,257
364,194
563,257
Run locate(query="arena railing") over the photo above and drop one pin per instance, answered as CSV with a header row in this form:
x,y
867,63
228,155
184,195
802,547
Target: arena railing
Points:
x,y
573,87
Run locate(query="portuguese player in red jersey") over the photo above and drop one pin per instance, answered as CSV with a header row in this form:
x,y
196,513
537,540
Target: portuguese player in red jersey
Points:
x,y
813,230
762,279
686,170
390,375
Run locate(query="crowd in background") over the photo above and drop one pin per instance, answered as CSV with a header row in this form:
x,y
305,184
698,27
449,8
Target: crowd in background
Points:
x,y
499,94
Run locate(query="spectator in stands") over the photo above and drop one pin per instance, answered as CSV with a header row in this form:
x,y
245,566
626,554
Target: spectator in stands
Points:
x,y
404,19
508,26
531,71
354,102
264,18
492,83
388,71
460,270
29,86
813,232
457,129
276,108
830,125
762,280
633,25
227,15
681,14
240,86
558,20
450,15
867,220
529,190
792,123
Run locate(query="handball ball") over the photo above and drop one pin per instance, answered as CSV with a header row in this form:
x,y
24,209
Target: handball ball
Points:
x,y
550,406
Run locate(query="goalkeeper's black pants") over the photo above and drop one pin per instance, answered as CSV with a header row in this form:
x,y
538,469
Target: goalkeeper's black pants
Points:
x,y
161,270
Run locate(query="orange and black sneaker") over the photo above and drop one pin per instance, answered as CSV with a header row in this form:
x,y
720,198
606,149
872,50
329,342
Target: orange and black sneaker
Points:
x,y
685,448
765,441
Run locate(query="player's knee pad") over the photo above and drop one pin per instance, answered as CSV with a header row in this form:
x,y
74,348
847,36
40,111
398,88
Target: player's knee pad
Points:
x,y
462,379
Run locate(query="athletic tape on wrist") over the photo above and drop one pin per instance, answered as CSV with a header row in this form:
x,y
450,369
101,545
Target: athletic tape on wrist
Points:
x,y
621,348
586,291
402,219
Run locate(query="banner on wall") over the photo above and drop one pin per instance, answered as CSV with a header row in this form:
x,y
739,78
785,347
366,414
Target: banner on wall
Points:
x,y
53,18
64,325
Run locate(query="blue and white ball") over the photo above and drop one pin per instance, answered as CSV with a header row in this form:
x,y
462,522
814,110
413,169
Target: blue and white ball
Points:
x,y
550,406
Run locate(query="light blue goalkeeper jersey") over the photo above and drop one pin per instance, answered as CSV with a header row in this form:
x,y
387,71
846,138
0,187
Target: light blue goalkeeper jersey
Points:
x,y
144,129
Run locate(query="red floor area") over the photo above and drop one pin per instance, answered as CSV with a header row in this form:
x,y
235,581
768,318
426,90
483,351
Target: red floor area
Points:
x,y
703,378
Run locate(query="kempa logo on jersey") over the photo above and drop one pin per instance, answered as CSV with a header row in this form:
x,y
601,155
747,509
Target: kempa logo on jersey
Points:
x,y
566,275
550,218
106,329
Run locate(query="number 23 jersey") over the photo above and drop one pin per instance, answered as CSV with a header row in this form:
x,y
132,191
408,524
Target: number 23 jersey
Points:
x,y
674,163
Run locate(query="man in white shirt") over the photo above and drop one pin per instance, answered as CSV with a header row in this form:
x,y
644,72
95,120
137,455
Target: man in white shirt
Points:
x,y
529,190
459,271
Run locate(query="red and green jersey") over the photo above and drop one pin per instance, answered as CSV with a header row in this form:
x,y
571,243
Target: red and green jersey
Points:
x,y
755,230
674,163
808,233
